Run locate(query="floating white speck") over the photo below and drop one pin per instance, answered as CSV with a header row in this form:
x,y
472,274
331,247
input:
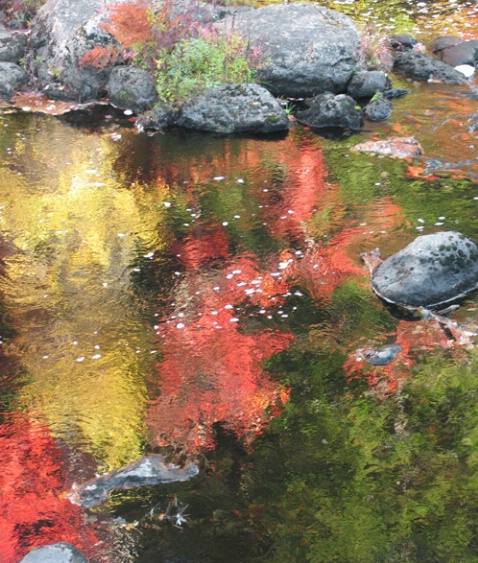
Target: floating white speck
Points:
x,y
121,235
290,212
75,343
241,284
229,276
216,288
225,224
97,347
441,218
96,357
149,255
186,224
439,224
213,312
46,357
105,284
237,271
299,294
228,307
283,265
218,178
420,220
180,325
167,203
240,181
81,359
262,311
234,320
128,112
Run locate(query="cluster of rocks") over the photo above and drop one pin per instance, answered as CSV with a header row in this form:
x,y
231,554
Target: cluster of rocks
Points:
x,y
311,53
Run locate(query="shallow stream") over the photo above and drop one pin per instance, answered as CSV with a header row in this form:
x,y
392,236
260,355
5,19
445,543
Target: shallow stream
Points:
x,y
204,297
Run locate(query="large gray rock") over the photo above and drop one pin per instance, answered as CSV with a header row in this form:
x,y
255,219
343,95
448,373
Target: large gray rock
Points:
x,y
327,110
61,552
149,470
424,68
432,270
11,78
234,108
62,32
307,49
12,45
132,88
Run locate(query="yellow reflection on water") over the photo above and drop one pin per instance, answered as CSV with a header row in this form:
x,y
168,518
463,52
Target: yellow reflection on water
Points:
x,y
70,239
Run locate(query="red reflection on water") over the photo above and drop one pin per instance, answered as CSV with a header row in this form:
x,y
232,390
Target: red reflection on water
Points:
x,y
212,373
33,509
212,370
414,338
200,248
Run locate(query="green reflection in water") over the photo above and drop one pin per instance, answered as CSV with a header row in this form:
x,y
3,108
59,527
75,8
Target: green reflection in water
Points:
x,y
71,233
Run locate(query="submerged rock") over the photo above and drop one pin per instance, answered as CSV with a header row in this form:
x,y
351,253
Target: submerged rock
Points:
x,y
443,42
327,110
382,356
132,88
234,108
149,470
307,49
397,147
61,552
432,270
419,66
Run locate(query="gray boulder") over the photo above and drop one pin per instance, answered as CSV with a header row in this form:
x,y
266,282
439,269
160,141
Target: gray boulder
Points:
x,y
327,110
443,42
234,108
465,53
149,470
62,32
61,552
418,66
366,84
11,77
379,109
12,45
158,118
132,88
432,270
307,49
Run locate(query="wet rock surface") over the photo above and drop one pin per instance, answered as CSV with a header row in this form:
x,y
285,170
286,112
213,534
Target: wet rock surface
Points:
x,y
327,110
465,53
309,49
158,118
61,552
382,356
12,77
432,270
132,88
62,32
228,108
367,83
149,470
12,45
421,67
379,109
397,147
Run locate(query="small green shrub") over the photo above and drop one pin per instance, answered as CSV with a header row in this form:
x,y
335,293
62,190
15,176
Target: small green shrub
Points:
x,y
194,65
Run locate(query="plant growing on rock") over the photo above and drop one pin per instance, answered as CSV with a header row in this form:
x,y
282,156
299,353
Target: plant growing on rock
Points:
x,y
19,13
184,57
